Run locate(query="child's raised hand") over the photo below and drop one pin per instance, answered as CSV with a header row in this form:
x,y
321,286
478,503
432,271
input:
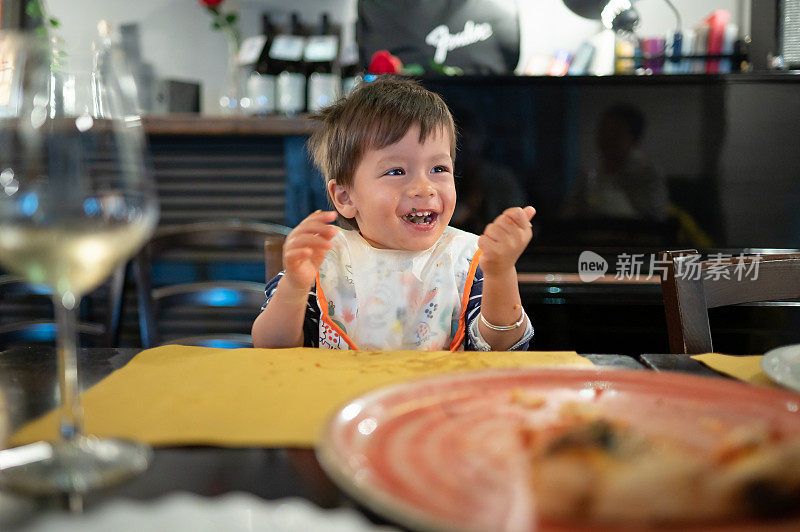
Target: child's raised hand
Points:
x,y
305,248
504,240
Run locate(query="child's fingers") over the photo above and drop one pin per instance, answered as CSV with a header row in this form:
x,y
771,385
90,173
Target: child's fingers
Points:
x,y
316,219
318,255
330,216
486,244
492,251
322,230
299,257
506,230
322,217
294,256
530,212
519,217
309,241
508,226
498,233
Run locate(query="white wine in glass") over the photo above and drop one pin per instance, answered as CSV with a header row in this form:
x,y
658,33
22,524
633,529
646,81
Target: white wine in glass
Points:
x,y
77,200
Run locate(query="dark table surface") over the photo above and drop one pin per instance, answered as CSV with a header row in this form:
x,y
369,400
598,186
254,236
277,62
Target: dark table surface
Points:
x,y
28,383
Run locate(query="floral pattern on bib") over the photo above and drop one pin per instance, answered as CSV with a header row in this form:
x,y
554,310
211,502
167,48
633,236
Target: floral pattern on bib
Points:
x,y
391,299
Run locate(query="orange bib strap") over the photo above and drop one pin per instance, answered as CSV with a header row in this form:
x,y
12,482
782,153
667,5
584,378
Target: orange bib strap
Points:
x,y
323,303
461,333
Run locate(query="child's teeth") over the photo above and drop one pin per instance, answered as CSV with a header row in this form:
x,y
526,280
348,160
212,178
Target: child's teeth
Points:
x,y
417,216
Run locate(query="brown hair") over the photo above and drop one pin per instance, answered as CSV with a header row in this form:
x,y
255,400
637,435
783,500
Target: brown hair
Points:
x,y
375,115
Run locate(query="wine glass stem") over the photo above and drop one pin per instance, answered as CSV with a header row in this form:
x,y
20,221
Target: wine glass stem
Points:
x,y
72,412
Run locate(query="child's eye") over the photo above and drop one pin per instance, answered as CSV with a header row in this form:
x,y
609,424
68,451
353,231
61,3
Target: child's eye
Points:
x,y
396,171
439,169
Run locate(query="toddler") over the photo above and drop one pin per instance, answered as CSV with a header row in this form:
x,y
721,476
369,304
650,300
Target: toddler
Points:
x,y
396,277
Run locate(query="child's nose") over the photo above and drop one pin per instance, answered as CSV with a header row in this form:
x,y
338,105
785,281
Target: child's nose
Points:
x,y
421,186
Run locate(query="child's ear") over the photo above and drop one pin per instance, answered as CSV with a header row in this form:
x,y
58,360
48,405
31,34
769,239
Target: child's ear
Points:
x,y
341,199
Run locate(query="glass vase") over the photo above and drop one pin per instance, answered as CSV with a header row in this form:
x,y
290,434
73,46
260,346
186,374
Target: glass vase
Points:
x,y
233,85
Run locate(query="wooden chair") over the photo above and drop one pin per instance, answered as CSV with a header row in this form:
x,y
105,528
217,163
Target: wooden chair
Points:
x,y
206,309
690,287
27,313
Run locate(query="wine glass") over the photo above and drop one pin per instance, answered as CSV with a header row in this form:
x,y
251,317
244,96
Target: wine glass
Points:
x,y
76,200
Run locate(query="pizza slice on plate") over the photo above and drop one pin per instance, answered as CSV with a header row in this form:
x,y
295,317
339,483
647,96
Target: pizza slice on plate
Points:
x,y
587,467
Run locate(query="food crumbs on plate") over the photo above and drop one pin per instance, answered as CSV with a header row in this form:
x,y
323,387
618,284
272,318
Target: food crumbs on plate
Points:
x,y
524,398
588,468
527,437
598,392
579,411
741,442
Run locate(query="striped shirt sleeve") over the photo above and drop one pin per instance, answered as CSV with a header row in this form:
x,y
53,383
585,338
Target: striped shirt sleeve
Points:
x,y
475,341
311,320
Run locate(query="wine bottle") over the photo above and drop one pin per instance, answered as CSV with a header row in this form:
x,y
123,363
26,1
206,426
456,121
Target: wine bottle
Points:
x,y
291,81
321,54
262,80
352,73
107,53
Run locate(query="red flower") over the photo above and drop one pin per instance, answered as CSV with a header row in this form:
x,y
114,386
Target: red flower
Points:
x,y
383,62
210,3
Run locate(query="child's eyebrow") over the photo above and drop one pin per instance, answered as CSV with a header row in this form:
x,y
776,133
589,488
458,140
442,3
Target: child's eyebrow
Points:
x,y
389,159
399,159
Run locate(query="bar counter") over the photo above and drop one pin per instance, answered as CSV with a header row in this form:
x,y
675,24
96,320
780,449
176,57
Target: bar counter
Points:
x,y
194,124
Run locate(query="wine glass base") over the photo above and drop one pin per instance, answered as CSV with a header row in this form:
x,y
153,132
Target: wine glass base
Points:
x,y
75,466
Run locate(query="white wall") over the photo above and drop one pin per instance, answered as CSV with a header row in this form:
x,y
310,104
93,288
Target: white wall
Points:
x,y
177,39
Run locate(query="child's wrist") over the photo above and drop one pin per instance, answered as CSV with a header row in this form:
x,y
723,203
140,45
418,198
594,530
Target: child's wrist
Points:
x,y
290,290
500,272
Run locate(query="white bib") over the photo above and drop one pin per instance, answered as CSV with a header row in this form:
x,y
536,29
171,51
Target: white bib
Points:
x,y
384,299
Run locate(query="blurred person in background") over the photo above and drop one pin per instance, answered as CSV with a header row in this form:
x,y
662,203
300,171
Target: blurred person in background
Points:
x,y
623,184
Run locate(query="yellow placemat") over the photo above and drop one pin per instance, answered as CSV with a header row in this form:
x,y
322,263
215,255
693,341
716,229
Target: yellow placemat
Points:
x,y
176,395
746,368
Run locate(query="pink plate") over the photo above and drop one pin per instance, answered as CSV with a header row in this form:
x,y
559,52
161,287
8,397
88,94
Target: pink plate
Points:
x,y
445,453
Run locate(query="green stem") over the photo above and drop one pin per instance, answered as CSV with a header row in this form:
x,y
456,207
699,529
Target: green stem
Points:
x,y
233,38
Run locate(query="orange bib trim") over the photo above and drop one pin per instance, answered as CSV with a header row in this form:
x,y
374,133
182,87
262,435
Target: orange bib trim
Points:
x,y
461,333
323,303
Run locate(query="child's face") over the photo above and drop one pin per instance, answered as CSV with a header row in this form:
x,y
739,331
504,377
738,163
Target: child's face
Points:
x,y
393,183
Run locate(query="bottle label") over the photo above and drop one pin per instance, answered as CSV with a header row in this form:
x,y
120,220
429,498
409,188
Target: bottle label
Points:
x,y
321,48
291,92
323,90
251,49
261,93
349,55
287,47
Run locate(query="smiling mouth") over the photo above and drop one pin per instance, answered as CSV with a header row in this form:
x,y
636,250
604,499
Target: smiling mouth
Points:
x,y
420,217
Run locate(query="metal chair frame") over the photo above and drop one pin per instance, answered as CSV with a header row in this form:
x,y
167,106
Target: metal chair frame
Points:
x,y
213,238
44,330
